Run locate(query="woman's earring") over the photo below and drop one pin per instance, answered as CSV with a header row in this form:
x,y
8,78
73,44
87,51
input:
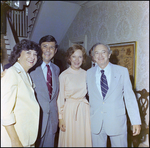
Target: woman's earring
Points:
x,y
18,59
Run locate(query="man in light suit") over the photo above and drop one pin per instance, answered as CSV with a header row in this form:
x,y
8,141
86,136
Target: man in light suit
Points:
x,y
108,112
48,113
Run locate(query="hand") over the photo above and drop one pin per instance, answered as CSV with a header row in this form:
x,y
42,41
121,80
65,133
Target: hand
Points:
x,y
3,73
15,142
136,130
62,125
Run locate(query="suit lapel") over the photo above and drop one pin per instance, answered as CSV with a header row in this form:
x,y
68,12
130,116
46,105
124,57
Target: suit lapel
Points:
x,y
114,81
42,82
94,86
53,81
25,77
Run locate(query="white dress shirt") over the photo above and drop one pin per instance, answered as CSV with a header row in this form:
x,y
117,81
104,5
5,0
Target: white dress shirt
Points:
x,y
107,72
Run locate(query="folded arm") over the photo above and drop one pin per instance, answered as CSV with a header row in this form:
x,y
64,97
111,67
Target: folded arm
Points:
x,y
13,136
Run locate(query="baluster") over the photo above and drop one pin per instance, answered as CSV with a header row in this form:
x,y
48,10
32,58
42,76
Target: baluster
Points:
x,y
26,21
11,15
15,20
20,23
26,27
23,23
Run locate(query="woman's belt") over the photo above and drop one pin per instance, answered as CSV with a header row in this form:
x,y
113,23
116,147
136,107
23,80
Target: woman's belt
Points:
x,y
78,102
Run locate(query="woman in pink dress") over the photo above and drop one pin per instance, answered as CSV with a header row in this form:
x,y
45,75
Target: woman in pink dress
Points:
x,y
73,107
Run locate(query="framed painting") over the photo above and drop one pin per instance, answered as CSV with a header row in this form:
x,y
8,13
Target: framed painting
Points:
x,y
124,54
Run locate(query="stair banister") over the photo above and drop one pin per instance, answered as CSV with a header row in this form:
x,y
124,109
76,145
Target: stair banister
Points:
x,y
33,14
19,20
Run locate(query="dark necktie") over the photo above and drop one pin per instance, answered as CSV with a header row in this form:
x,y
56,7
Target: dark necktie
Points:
x,y
49,80
104,85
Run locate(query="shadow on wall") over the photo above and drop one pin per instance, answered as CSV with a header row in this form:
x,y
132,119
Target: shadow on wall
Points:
x,y
87,64
60,60
114,60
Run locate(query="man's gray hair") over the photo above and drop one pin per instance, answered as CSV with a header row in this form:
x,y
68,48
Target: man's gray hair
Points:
x,y
93,47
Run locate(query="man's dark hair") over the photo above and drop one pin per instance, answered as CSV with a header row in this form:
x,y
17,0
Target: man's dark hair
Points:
x,y
48,38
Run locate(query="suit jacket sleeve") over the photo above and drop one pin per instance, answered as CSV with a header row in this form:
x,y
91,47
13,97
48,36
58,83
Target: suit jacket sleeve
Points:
x,y
8,97
61,96
130,100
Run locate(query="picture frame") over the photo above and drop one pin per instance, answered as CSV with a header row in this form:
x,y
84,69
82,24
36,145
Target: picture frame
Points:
x,y
125,54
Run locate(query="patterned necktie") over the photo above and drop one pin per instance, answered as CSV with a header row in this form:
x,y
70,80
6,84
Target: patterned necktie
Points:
x,y
49,80
104,85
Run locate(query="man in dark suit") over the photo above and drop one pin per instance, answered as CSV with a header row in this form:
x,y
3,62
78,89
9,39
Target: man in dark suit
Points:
x,y
48,106
110,95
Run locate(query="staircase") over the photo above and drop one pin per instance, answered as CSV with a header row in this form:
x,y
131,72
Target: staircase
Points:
x,y
38,19
7,45
4,54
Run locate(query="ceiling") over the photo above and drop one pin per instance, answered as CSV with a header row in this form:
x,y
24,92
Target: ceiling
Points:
x,y
84,3
55,18
81,3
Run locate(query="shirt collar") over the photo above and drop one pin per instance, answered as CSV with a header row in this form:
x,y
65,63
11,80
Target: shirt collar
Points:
x,y
43,65
106,69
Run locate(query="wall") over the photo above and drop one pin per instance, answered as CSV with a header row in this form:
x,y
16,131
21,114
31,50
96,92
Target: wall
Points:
x,y
114,22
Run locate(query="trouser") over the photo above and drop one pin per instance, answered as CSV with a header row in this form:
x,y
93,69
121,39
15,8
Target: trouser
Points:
x,y
48,139
100,140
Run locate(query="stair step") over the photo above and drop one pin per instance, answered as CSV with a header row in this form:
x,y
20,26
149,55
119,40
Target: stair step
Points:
x,y
7,46
6,42
35,10
5,37
32,18
8,52
30,25
36,2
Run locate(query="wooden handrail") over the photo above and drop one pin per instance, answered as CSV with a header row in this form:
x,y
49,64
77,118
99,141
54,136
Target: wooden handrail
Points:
x,y
24,6
20,27
35,16
19,20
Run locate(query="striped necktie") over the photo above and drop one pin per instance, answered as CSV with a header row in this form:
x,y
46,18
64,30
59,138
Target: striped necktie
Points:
x,y
49,80
104,85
